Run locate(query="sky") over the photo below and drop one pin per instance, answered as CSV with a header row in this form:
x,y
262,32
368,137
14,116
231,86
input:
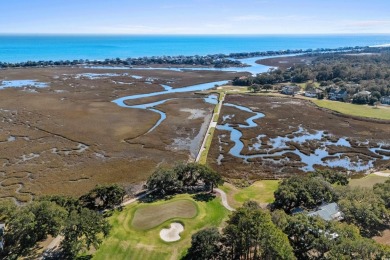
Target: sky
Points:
x,y
195,16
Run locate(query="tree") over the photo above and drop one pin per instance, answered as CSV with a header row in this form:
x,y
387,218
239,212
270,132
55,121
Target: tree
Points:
x,y
331,176
309,86
30,224
307,236
190,174
254,88
210,178
267,87
83,229
69,203
104,197
7,207
315,238
362,248
164,182
376,94
307,192
49,218
365,209
383,191
250,234
204,244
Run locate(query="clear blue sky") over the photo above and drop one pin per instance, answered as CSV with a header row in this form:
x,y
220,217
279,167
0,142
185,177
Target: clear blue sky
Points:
x,y
195,16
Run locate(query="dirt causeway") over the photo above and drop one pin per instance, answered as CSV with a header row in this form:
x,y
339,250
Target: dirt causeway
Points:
x,y
291,119
68,137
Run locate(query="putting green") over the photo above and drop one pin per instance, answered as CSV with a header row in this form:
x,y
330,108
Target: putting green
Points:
x,y
127,242
150,216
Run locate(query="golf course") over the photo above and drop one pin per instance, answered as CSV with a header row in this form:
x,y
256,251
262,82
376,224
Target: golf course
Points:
x,y
136,229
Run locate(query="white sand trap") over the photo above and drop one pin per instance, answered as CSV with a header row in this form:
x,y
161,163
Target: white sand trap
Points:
x,y
172,234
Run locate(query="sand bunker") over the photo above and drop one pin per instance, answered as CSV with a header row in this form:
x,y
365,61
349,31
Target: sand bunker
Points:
x,y
172,234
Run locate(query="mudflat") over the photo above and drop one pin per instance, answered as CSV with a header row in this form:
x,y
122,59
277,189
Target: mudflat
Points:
x,y
69,136
294,136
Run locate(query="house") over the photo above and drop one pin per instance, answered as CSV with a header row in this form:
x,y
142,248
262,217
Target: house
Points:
x,y
328,212
338,95
290,90
385,100
2,228
363,93
312,93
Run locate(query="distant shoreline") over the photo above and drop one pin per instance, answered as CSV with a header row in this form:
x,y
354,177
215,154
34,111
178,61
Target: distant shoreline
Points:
x,y
207,61
18,48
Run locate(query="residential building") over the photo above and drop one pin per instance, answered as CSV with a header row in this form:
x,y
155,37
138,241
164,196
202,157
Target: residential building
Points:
x,y
313,93
290,90
338,95
385,100
328,212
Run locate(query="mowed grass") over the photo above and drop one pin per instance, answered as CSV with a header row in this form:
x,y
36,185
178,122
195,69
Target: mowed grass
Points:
x,y
260,191
354,110
203,156
127,242
368,181
150,216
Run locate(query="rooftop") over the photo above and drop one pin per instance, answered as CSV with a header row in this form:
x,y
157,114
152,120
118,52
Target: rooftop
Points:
x,y
327,212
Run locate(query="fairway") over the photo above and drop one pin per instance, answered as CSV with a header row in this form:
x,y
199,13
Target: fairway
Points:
x,y
150,216
127,242
354,110
260,191
368,181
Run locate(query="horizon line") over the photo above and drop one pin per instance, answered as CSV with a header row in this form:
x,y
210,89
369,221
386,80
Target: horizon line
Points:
x,y
195,34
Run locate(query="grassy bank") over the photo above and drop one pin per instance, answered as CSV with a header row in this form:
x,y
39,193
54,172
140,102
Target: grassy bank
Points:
x,y
354,110
127,242
203,156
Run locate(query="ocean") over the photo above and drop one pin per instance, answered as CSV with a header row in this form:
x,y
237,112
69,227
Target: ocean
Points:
x,y
18,48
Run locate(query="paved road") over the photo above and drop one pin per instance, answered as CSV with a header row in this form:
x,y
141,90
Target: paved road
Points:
x,y
224,199
211,125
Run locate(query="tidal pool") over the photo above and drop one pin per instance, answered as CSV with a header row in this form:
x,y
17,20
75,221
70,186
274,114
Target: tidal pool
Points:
x,y
22,83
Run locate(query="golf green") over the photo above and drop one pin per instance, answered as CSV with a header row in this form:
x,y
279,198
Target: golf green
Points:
x,y
150,216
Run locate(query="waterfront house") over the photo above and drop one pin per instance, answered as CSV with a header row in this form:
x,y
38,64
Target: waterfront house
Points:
x,y
338,95
327,212
313,93
385,100
2,228
290,90
363,93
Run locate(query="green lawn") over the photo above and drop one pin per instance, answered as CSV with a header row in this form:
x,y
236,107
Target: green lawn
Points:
x,y
367,181
203,156
354,110
151,215
259,191
126,242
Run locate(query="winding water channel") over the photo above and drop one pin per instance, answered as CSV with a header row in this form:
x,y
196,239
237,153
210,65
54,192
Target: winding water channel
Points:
x,y
253,68
276,148
280,146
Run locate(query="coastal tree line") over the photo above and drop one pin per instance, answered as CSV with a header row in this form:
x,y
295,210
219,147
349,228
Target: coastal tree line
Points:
x,y
368,71
212,60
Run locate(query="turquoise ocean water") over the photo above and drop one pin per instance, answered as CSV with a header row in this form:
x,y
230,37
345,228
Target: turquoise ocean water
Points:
x,y
17,48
